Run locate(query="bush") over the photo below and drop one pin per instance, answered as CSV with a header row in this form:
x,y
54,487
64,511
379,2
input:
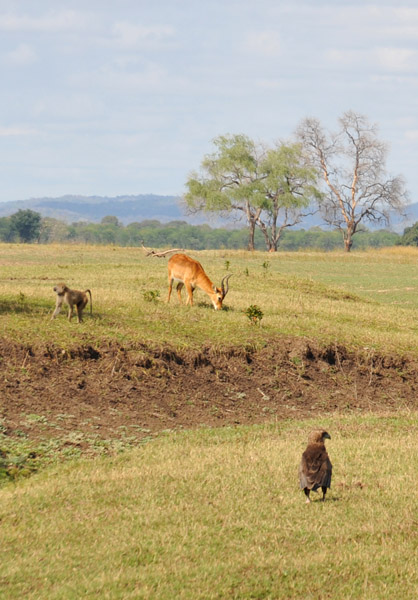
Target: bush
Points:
x,y
254,314
151,295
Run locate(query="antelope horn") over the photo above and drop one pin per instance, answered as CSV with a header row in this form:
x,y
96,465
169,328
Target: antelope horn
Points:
x,y
164,252
149,252
225,291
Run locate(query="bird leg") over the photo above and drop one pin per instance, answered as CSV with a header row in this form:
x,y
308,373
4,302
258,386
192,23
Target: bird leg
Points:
x,y
324,491
307,492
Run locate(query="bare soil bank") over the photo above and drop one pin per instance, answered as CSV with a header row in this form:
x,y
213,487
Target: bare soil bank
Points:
x,y
136,390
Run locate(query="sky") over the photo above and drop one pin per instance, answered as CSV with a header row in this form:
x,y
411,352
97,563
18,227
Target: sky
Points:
x,y
115,98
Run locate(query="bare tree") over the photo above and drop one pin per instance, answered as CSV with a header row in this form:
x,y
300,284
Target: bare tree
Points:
x,y
272,230
352,163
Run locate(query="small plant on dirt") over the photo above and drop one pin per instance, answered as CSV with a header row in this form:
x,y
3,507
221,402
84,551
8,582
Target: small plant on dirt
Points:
x,y
13,467
151,295
227,265
254,314
299,365
33,418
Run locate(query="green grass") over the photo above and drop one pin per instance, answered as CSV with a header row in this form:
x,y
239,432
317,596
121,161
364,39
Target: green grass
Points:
x,y
366,299
212,514
218,514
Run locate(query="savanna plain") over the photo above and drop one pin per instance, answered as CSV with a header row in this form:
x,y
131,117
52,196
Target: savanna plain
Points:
x,y
151,451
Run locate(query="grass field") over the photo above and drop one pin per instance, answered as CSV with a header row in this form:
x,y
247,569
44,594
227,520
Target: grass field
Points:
x,y
365,299
217,513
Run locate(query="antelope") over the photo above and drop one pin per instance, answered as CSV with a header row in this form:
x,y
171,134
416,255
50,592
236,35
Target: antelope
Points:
x,y
190,274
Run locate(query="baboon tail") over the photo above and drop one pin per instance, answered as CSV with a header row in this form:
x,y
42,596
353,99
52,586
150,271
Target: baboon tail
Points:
x,y
91,301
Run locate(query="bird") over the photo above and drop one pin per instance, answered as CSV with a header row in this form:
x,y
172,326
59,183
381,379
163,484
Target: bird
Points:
x,y
315,468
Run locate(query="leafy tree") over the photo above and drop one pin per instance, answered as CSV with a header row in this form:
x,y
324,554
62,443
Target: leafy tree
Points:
x,y
27,224
270,186
229,181
110,220
53,230
352,164
410,236
7,233
288,186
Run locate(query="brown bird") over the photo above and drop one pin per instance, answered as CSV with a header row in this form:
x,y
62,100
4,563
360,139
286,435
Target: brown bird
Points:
x,y
315,467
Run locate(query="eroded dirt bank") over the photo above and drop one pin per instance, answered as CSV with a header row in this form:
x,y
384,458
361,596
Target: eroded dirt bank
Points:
x,y
113,390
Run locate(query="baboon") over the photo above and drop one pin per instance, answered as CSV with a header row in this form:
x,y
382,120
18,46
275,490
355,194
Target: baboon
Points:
x,y
72,298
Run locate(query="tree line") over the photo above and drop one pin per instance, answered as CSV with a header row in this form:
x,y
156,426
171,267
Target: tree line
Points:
x,y
28,226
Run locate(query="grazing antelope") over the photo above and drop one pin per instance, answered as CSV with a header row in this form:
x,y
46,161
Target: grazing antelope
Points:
x,y
190,274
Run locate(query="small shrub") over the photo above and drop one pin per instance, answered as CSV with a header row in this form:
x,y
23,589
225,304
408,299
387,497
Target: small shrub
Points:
x,y
151,295
227,265
265,266
14,467
254,314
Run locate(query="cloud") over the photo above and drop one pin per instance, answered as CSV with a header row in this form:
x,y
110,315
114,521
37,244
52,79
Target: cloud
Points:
x,y
53,22
411,135
144,77
21,56
69,107
390,59
17,131
129,35
269,84
346,58
396,59
264,43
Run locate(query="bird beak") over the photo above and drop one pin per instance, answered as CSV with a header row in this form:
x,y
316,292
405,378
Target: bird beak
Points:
x,y
326,436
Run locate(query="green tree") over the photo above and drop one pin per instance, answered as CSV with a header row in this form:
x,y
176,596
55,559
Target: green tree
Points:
x,y
271,186
410,236
110,220
352,164
27,224
229,181
53,230
7,233
287,183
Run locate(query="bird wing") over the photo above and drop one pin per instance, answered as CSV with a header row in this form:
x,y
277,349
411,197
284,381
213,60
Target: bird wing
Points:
x,y
315,469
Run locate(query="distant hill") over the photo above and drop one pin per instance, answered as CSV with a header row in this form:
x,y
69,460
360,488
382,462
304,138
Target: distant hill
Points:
x,y
93,208
411,217
149,206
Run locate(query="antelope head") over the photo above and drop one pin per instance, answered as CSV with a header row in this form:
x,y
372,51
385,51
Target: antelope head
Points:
x,y
220,293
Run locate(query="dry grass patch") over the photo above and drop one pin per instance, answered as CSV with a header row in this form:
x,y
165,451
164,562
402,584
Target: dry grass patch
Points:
x,y
218,514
